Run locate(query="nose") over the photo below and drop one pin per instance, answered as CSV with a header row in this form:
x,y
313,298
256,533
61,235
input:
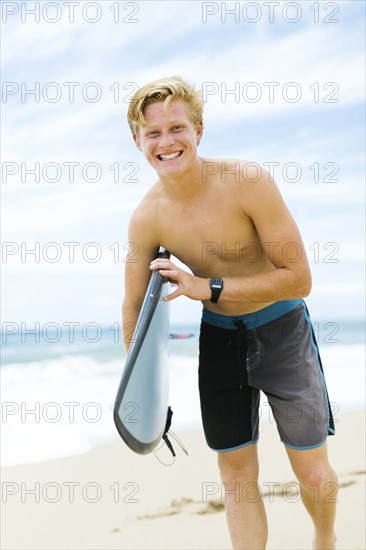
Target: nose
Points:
x,y
166,139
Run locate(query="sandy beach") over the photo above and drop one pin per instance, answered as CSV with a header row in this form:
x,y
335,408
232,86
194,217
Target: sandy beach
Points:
x,y
111,498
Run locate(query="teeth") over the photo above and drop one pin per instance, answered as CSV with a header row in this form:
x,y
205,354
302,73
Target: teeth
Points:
x,y
171,156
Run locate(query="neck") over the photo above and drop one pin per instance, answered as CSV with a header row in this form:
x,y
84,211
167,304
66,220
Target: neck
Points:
x,y
187,184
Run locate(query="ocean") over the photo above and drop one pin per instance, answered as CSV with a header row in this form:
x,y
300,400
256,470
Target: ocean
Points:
x,y
58,384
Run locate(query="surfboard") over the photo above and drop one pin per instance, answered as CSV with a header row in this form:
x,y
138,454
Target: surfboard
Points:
x,y
141,405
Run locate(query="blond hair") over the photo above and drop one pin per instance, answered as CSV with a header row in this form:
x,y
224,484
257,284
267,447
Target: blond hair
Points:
x,y
165,89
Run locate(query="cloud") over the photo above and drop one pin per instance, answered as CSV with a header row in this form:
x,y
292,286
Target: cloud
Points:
x,y
162,43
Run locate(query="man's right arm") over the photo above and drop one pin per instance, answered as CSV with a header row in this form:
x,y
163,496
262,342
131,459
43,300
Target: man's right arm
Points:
x,y
145,247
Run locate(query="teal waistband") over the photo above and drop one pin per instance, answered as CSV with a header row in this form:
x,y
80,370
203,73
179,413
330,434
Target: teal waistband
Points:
x,y
251,320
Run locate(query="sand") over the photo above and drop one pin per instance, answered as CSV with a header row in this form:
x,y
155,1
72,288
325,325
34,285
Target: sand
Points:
x,y
112,498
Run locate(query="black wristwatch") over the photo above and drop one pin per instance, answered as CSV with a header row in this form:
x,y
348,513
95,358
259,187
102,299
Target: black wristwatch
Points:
x,y
216,286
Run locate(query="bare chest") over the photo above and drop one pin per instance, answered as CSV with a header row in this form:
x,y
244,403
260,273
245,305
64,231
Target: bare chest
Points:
x,y
210,235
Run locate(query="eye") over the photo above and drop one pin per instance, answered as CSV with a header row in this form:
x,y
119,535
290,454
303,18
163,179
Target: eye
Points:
x,y
177,128
153,133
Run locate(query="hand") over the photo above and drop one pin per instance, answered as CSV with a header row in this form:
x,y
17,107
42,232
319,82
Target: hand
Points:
x,y
189,285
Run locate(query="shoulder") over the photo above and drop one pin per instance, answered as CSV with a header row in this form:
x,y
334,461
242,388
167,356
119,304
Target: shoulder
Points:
x,y
235,170
246,171
148,206
145,218
253,186
259,196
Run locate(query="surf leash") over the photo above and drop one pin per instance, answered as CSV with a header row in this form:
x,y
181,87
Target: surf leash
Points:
x,y
167,430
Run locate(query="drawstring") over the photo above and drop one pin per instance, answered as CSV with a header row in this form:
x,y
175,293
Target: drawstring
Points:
x,y
242,331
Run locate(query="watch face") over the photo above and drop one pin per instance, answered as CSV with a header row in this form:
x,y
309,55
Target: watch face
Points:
x,y
216,283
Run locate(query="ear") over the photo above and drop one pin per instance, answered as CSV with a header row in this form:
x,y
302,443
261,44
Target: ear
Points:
x,y
136,139
199,132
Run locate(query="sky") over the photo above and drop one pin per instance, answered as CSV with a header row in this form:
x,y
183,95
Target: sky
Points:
x,y
283,86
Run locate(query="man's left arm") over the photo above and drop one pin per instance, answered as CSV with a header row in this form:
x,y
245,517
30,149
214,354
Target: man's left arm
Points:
x,y
281,241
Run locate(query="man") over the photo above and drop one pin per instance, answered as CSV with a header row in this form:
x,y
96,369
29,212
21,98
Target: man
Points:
x,y
227,222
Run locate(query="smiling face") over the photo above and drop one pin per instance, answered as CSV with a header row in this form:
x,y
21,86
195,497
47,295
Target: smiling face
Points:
x,y
168,139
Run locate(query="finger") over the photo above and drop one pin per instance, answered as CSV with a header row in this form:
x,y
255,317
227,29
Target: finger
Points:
x,y
169,273
158,264
173,295
155,266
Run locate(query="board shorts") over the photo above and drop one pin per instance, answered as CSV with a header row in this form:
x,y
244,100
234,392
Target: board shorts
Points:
x,y
273,350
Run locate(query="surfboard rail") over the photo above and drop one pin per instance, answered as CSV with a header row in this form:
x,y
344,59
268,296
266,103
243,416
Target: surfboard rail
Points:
x,y
144,385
